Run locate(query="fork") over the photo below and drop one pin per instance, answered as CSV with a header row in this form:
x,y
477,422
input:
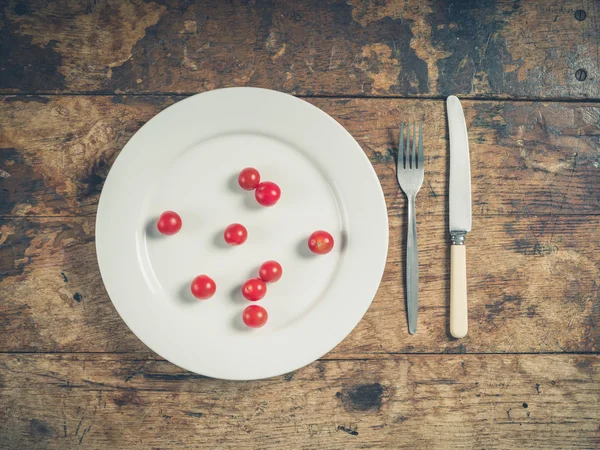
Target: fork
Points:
x,y
409,171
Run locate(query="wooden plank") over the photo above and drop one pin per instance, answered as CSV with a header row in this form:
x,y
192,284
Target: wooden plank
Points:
x,y
534,287
466,401
393,47
526,158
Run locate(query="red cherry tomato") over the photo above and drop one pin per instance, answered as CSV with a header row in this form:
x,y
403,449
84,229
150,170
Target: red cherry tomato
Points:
x,y
255,316
203,287
169,223
235,234
254,289
320,242
267,193
270,271
249,178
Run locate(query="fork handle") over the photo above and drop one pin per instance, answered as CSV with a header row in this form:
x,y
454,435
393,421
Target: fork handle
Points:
x,y
458,291
412,268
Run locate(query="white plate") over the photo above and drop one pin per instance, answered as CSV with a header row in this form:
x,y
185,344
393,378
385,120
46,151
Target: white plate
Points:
x,y
187,159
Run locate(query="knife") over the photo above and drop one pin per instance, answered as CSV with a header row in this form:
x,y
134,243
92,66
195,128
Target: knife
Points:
x,y
460,215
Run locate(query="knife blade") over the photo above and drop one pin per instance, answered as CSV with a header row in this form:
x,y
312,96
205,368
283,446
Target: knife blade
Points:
x,y
460,168
460,215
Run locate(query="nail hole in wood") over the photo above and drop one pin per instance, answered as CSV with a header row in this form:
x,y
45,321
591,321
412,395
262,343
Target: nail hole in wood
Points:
x,y
18,70
581,74
21,9
580,15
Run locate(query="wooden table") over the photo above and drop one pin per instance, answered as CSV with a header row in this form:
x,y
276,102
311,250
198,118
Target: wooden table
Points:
x,y
78,79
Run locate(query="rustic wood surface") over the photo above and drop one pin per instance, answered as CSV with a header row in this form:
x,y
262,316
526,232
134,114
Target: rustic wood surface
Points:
x,y
462,401
533,288
79,78
333,47
527,157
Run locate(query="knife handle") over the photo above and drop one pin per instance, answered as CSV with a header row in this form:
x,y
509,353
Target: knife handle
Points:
x,y
458,291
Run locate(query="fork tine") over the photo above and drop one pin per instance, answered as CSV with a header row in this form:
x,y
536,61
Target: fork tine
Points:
x,y
420,162
400,159
407,148
413,156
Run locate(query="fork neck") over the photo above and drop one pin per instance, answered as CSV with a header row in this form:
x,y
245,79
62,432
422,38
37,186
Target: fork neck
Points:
x,y
411,204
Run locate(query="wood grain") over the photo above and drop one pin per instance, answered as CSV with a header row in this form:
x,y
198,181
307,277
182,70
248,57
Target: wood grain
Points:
x,y
533,255
526,158
533,287
462,401
392,47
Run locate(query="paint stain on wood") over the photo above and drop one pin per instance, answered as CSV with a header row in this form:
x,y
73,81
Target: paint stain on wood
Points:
x,y
40,428
14,248
364,397
128,398
350,431
21,190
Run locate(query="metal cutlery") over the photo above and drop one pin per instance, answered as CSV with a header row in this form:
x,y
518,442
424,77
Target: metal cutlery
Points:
x,y
460,215
409,171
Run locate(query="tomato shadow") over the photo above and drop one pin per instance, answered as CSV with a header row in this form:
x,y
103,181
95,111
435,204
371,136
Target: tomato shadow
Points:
x,y
236,295
237,323
303,250
250,201
219,241
185,295
233,185
151,230
343,241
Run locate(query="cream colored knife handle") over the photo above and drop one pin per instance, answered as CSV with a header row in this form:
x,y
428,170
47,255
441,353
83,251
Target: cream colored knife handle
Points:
x,y
458,291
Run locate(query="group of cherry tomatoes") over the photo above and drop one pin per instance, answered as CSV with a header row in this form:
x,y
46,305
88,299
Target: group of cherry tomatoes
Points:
x,y
266,193
203,287
255,316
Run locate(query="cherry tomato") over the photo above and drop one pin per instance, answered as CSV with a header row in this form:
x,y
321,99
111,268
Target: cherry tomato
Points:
x,y
267,193
249,178
320,242
203,287
270,271
254,289
255,316
169,223
235,234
